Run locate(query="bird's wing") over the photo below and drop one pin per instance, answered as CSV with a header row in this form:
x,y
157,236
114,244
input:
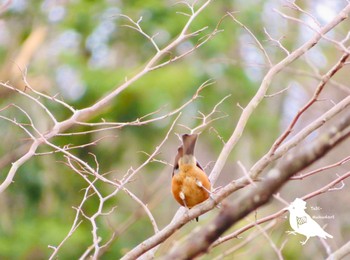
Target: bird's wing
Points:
x,y
301,220
199,166
312,228
177,157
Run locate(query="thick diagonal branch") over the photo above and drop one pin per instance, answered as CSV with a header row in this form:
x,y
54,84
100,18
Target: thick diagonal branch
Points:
x,y
199,242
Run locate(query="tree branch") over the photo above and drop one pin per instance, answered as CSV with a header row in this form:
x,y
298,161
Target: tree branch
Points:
x,y
200,241
255,101
341,252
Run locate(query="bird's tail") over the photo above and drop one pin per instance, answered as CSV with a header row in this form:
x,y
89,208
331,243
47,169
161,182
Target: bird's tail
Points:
x,y
189,141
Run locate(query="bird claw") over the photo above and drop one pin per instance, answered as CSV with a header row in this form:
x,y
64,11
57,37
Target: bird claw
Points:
x,y
304,242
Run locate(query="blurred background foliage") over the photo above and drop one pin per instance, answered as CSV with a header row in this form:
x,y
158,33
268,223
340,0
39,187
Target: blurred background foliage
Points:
x,y
80,50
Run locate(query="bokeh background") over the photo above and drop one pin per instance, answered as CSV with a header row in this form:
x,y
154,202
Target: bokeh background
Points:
x,y
80,50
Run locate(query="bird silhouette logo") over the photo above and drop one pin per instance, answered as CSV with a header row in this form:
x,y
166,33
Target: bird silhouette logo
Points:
x,y
302,223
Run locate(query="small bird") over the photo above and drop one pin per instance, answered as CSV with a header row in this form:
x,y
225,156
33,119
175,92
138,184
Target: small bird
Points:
x,y
302,223
190,185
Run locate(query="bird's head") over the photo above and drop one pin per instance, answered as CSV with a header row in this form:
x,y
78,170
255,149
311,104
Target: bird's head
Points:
x,y
297,204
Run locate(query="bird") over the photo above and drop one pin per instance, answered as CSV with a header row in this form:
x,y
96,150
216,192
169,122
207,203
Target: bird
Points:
x,y
190,185
302,223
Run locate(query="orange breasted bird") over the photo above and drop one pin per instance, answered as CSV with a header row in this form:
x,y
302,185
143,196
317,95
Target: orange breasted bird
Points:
x,y
190,185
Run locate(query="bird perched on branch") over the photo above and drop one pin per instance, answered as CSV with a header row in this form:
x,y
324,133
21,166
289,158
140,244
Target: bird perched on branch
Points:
x,y
302,223
190,185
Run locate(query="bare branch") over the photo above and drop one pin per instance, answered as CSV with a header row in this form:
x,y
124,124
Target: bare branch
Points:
x,y
318,30
231,212
341,253
278,214
261,47
314,98
254,102
136,26
260,165
246,241
328,187
36,100
305,175
86,113
206,119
